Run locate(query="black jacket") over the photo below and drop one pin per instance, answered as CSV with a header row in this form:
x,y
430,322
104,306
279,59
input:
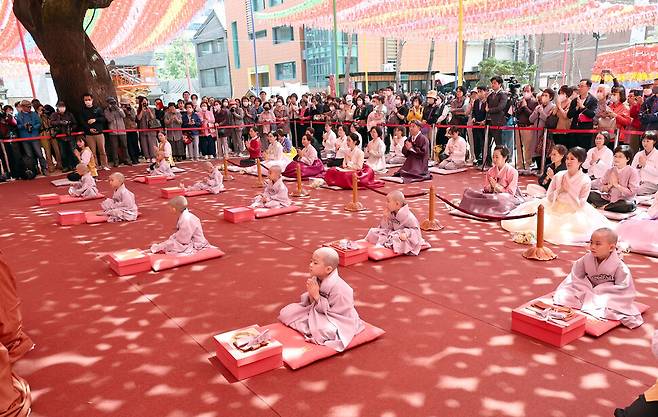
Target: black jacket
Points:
x,y
93,112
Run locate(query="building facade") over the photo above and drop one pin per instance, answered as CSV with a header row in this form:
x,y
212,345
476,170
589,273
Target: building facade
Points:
x,y
210,46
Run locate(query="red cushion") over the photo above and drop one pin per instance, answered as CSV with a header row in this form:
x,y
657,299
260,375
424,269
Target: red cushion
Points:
x,y
63,199
93,217
265,212
195,193
597,328
160,262
298,353
169,192
379,254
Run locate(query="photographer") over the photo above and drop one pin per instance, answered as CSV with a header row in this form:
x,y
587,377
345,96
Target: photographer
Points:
x,y
8,130
29,124
145,121
130,122
93,122
236,116
525,142
115,121
63,123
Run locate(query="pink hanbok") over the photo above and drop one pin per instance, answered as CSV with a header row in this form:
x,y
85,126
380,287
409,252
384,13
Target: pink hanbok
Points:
x,y
640,232
121,206
489,202
309,164
388,232
331,321
214,183
275,195
604,290
163,168
85,188
188,238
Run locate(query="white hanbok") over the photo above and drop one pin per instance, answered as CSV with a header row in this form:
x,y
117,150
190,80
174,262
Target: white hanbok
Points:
x,y
274,195
273,156
376,155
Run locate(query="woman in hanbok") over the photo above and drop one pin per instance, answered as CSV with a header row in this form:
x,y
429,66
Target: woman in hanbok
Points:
x,y
352,163
307,160
639,233
376,151
273,156
568,218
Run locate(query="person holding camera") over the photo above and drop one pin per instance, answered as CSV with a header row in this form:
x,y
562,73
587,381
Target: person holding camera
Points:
x,y
29,125
130,122
63,123
526,140
115,121
236,117
93,122
148,124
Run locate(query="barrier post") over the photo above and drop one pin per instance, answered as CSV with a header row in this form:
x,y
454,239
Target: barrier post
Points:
x,y
6,160
617,131
259,171
354,205
539,252
485,150
431,224
543,151
227,177
300,192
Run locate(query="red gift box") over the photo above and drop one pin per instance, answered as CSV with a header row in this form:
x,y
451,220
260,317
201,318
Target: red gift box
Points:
x,y
129,262
48,199
155,179
247,364
71,217
348,257
531,324
171,192
239,214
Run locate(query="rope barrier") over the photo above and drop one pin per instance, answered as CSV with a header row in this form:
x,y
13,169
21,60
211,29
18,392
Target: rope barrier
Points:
x,y
412,195
484,217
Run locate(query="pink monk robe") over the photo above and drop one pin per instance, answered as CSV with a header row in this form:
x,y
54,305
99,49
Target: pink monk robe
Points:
x,y
12,335
245,359
398,231
163,168
121,207
85,188
274,195
331,321
187,239
604,290
214,183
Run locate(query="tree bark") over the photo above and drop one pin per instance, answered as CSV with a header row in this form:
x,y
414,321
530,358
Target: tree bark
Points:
x,y
430,81
540,54
348,64
398,65
76,66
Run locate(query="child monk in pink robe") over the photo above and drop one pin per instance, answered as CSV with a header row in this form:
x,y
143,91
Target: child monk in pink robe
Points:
x,y
275,192
213,183
188,238
399,228
12,335
86,187
122,205
161,166
326,314
600,283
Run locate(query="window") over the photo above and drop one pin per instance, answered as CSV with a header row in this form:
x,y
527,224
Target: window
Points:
x,y
204,48
214,77
282,34
259,34
275,2
236,50
286,71
258,5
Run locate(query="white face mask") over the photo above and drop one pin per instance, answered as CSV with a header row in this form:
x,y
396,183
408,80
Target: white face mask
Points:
x,y
61,109
561,97
600,96
527,95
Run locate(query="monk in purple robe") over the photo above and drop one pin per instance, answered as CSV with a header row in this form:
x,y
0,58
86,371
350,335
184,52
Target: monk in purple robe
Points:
x,y
275,192
326,314
399,228
86,186
122,205
601,284
188,238
213,183
416,149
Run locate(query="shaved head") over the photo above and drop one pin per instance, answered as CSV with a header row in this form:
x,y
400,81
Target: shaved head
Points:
x,y
82,168
276,169
118,176
179,203
396,196
608,234
209,165
328,256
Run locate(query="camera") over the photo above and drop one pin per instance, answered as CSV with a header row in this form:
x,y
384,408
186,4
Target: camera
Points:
x,y
28,127
513,84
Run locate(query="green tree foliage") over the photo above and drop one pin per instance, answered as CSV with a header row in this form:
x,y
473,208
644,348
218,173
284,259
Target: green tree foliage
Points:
x,y
173,64
505,68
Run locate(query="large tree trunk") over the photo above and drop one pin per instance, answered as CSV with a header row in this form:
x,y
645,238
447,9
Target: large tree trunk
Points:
x,y
75,64
430,81
348,65
398,65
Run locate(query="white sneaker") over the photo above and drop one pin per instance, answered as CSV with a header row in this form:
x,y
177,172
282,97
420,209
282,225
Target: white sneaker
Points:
x,y
106,168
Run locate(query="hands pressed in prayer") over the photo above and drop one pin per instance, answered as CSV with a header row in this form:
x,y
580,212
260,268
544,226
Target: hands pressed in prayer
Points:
x,y
313,288
492,183
403,236
564,187
407,144
642,160
614,180
549,174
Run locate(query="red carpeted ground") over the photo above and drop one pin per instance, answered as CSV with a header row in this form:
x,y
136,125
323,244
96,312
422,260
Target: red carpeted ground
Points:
x,y
141,345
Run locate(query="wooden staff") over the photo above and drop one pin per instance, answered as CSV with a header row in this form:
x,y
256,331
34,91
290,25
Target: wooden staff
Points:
x,y
539,252
431,223
354,205
259,171
300,192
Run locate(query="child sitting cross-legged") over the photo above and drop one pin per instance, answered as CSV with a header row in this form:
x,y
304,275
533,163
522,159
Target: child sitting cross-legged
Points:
x,y
86,186
161,166
122,205
275,192
399,229
188,238
213,183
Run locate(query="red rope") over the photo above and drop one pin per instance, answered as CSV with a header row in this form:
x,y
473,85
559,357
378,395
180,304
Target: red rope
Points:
x,y
413,195
485,217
